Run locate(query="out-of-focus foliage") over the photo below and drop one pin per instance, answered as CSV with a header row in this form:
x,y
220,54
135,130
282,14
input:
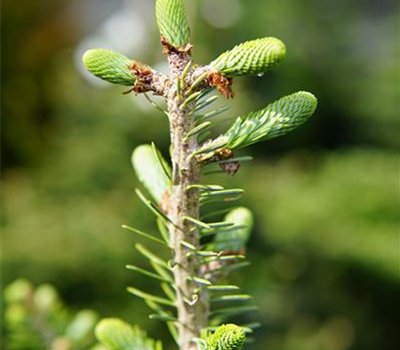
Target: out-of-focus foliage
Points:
x,y
115,334
235,240
324,252
146,161
350,214
36,319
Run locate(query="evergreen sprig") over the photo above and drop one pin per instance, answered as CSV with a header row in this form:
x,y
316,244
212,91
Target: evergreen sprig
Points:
x,y
277,119
195,250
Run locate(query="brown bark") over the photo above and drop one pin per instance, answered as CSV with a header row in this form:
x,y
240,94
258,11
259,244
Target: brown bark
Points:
x,y
192,303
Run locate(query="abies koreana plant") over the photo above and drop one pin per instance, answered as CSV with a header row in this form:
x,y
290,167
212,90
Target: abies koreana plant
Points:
x,y
201,253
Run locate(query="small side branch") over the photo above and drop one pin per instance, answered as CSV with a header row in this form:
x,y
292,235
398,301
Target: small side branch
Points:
x,y
148,79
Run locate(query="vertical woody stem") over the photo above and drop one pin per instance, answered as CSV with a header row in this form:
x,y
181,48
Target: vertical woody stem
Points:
x,y
192,305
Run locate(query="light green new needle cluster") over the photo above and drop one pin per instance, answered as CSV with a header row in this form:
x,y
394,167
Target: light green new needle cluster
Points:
x,y
110,66
227,337
252,57
278,118
172,21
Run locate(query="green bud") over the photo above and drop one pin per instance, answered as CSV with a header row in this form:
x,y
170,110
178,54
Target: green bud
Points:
x,y
110,66
115,334
252,57
150,171
172,21
278,118
236,239
227,337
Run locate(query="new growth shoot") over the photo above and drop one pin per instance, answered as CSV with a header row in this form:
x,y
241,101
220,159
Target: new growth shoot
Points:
x,y
194,299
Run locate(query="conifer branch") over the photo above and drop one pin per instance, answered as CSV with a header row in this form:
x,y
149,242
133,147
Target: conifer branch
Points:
x,y
201,253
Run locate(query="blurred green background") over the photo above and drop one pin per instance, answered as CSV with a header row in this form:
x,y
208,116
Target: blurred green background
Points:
x,y
325,251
